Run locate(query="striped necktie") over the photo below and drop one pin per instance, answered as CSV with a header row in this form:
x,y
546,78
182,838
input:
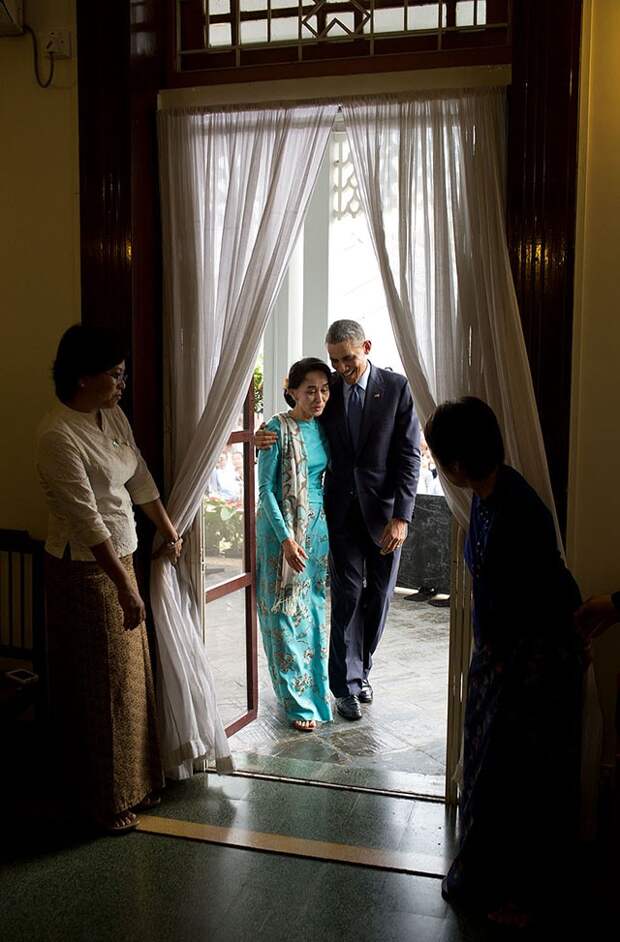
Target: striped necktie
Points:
x,y
354,414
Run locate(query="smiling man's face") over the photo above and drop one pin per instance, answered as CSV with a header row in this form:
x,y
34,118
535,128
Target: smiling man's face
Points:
x,y
349,358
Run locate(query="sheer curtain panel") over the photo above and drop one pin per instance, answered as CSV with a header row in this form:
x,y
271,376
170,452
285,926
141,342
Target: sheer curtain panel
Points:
x,y
235,185
430,170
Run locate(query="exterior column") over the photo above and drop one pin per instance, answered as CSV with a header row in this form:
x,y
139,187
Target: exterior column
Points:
x,y
283,340
316,264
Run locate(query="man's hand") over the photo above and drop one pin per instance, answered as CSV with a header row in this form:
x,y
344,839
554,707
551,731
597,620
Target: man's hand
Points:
x,y
394,535
596,615
263,438
294,554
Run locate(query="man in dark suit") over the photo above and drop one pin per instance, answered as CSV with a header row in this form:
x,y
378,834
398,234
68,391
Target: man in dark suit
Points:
x,y
370,487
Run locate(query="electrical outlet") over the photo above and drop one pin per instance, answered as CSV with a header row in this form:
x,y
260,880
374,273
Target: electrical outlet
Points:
x,y
57,42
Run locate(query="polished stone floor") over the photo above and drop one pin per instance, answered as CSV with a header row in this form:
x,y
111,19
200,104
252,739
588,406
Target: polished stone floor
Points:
x,y
60,882
424,829
401,741
63,884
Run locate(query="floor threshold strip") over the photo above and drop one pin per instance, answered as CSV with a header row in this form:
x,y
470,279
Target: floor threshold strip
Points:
x,y
418,864
336,786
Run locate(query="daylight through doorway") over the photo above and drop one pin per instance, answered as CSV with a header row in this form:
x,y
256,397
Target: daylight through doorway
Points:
x,y
400,744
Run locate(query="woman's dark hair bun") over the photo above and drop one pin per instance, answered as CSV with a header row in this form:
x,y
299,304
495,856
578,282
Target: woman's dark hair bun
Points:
x,y
85,351
465,433
298,373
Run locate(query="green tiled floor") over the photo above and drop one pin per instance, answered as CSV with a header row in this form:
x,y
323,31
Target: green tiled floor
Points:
x,y
65,886
150,888
384,822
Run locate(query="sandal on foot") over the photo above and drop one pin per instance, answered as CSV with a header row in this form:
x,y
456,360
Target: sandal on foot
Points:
x,y
297,724
151,801
115,827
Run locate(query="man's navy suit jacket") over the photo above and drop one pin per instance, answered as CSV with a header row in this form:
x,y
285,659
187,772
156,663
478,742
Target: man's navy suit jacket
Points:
x,y
383,472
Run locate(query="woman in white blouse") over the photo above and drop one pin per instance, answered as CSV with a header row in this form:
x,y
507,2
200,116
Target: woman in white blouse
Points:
x,y
100,674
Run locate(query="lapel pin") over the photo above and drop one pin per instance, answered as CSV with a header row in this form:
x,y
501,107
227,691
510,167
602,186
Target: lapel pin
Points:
x,y
377,396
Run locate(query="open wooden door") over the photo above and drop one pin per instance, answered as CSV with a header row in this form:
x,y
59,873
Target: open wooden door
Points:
x,y
228,569
458,663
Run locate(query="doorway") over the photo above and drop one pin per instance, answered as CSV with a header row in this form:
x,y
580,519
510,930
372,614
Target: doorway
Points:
x,y
400,744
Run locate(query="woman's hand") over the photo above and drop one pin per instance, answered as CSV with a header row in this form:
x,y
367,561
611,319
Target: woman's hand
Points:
x,y
294,554
173,544
134,610
171,550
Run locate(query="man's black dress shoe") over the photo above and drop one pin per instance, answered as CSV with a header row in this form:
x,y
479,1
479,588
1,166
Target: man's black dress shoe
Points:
x,y
349,707
366,694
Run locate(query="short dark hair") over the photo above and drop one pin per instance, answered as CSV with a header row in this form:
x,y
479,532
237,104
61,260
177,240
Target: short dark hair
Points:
x,y
466,432
85,351
345,330
299,371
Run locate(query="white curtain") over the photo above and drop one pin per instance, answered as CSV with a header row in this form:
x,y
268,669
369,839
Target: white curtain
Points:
x,y
430,170
235,185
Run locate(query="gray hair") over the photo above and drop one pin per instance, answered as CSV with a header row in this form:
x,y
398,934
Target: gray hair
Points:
x,y
344,330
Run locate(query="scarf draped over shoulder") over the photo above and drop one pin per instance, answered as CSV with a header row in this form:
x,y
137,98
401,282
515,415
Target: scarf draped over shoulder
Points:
x,y
290,584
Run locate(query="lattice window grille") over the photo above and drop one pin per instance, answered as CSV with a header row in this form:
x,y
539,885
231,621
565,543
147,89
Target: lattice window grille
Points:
x,y
232,24
346,199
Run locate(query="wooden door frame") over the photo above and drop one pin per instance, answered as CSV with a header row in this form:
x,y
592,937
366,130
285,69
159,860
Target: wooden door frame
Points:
x,y
247,580
121,68
541,209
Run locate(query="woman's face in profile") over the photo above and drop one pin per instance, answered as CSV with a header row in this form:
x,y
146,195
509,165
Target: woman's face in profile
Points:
x,y
106,389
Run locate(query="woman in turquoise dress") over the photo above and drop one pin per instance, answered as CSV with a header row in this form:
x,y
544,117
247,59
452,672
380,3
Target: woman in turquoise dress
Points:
x,y
292,550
